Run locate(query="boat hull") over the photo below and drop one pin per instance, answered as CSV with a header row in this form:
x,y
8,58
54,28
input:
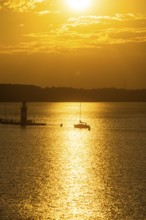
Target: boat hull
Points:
x,y
82,126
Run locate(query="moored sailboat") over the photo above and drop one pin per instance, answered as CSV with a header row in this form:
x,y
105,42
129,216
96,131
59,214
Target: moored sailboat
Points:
x,y
81,124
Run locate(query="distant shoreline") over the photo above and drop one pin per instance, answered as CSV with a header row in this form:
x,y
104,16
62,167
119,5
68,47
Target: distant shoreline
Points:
x,y
31,93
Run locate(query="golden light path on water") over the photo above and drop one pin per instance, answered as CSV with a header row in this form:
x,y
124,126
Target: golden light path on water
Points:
x,y
75,177
78,176
53,172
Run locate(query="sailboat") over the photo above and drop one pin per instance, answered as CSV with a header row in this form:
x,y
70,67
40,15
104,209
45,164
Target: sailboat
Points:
x,y
81,124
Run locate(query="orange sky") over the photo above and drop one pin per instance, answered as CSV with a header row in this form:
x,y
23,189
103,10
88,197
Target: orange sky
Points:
x,y
47,43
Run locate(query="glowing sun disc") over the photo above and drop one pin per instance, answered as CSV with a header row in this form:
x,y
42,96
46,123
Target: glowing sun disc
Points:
x,y
78,5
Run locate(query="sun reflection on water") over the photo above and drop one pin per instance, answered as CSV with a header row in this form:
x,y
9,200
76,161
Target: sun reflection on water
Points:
x,y
76,175
74,183
64,173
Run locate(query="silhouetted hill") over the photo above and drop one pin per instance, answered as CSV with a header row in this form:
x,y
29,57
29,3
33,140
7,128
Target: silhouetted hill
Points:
x,y
30,93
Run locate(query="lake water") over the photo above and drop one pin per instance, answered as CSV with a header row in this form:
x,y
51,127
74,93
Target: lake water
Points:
x,y
53,172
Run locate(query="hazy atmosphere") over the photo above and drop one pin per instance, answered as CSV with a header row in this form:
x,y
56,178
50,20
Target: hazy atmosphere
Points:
x,y
73,109
89,44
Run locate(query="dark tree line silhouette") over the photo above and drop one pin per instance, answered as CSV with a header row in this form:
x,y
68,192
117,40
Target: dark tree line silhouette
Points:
x,y
31,93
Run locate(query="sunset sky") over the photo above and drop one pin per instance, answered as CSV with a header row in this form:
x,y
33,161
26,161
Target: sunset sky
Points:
x,y
93,44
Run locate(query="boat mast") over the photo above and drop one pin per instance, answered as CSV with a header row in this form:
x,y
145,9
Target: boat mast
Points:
x,y
80,111
5,111
24,114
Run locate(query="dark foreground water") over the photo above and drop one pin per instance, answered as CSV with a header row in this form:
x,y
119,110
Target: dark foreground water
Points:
x,y
57,173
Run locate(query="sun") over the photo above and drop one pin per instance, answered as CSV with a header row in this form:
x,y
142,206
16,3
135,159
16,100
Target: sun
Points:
x,y
78,5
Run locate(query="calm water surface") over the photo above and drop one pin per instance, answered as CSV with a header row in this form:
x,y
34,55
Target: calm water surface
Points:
x,y
56,173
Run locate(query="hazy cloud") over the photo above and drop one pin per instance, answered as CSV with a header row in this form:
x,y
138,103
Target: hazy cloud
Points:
x,y
48,12
120,28
80,32
20,5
